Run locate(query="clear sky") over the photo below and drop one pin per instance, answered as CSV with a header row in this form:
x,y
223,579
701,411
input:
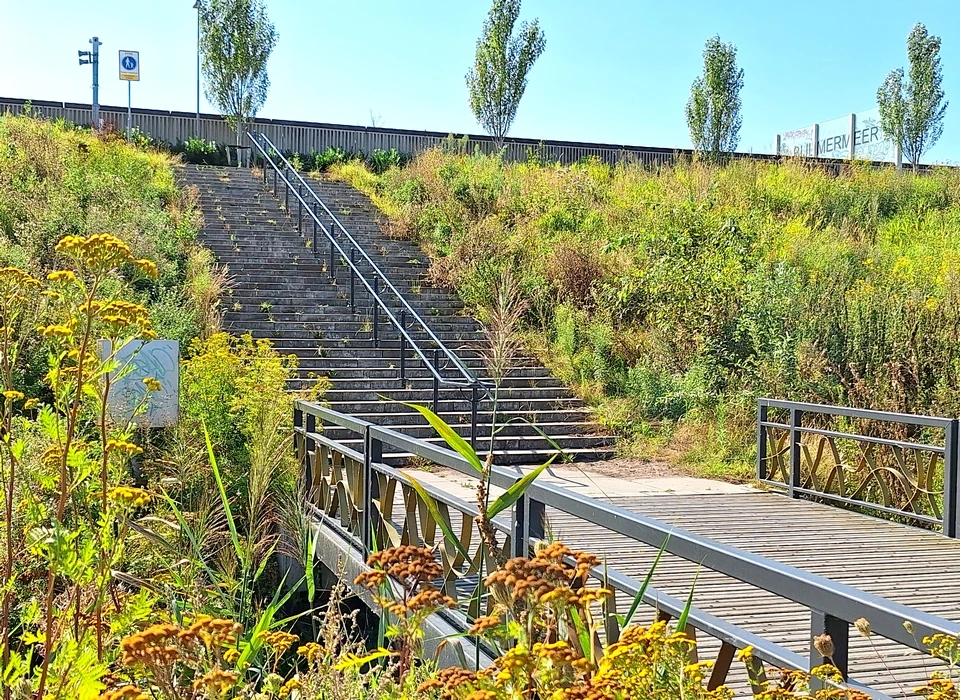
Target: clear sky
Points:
x,y
615,71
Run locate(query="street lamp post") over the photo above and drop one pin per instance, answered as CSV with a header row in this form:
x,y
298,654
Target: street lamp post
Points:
x,y
198,6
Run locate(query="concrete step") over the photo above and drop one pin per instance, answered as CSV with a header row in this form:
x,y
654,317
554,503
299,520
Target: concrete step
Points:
x,y
282,290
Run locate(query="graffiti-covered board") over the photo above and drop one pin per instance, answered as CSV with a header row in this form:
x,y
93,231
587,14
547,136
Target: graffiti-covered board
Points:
x,y
145,383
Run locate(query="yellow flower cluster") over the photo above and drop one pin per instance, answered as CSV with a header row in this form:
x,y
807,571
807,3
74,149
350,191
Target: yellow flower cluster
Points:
x,y
123,447
15,285
128,496
56,331
279,641
62,276
289,687
13,395
102,252
127,692
416,569
154,647
216,682
311,651
152,384
162,645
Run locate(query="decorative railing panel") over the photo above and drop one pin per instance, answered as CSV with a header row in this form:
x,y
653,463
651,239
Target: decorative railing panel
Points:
x,y
372,492
890,464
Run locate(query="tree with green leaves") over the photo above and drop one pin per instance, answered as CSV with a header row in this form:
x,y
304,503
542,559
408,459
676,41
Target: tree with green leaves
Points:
x,y
911,112
236,42
499,75
713,111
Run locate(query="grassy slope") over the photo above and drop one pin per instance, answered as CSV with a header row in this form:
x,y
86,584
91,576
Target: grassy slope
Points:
x,y
56,180
674,299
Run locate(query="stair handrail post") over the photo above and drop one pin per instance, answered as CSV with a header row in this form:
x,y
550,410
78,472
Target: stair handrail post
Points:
x,y
474,401
376,312
353,266
403,345
286,193
333,267
436,380
314,244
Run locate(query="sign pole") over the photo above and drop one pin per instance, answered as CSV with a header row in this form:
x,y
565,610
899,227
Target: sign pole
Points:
x,y
129,71
129,113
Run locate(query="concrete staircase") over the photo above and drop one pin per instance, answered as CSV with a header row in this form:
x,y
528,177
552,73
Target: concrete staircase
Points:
x,y
284,292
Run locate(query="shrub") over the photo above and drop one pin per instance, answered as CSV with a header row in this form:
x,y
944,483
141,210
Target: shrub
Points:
x,y
198,151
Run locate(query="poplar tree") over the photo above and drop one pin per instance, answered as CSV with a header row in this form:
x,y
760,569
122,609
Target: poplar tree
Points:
x,y
713,111
498,78
237,39
911,112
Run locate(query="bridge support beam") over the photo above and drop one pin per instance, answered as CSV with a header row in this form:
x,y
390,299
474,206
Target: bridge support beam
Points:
x,y
839,632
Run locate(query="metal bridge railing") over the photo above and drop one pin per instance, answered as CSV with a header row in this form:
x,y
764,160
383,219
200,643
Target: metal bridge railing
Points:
x,y
353,493
344,246
896,465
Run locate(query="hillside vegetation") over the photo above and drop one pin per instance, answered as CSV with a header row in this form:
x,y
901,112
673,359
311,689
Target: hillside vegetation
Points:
x,y
57,180
674,299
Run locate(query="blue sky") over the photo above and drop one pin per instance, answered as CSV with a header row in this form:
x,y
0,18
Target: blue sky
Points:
x,y
616,71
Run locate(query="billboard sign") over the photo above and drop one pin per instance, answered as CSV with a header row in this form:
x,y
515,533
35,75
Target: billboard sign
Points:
x,y
854,136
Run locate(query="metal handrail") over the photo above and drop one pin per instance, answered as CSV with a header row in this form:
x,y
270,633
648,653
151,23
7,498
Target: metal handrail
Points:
x,y
833,605
468,379
471,379
792,454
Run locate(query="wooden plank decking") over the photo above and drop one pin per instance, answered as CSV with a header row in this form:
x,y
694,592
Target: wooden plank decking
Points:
x,y
898,562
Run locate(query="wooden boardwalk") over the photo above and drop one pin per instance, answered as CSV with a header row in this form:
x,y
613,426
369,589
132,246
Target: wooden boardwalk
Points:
x,y
898,562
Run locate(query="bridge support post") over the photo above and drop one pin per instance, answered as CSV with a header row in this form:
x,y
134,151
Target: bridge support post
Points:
x,y
796,452
839,632
372,453
951,480
309,447
528,525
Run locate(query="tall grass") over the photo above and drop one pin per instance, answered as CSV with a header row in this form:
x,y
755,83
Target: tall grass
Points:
x,y
674,298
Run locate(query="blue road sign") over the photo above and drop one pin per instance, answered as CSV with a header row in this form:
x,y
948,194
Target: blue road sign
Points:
x,y
129,63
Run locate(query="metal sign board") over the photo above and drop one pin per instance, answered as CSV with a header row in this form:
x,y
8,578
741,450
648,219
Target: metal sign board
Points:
x,y
854,136
129,65
138,362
